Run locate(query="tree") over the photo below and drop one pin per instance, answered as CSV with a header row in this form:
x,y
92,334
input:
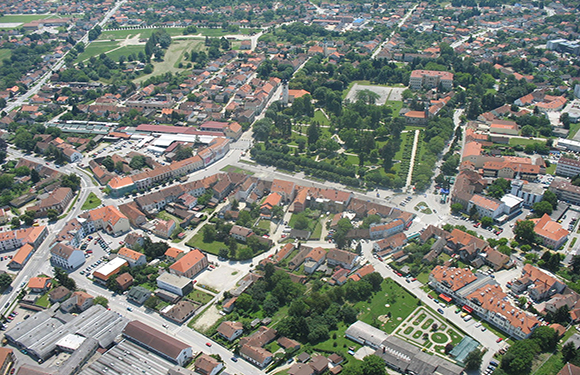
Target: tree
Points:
x,y
223,253
52,214
100,300
569,351
456,207
15,222
302,222
448,348
137,162
183,153
119,166
244,302
373,365
313,132
518,358
575,264
28,217
64,279
565,120
34,176
486,221
551,198
473,360
5,280
367,96
524,231
498,188
152,302
108,163
541,208
262,129
546,338
209,233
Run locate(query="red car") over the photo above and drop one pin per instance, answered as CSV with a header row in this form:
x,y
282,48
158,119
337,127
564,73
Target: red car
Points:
x,y
499,340
208,344
476,225
399,274
430,296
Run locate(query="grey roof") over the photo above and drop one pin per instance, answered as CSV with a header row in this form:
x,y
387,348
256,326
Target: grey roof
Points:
x,y
139,294
40,333
174,280
409,358
364,333
78,357
128,358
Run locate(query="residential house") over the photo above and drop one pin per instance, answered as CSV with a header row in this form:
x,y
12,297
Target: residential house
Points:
x,y
139,294
230,330
539,284
58,294
190,264
66,257
108,218
179,285
133,213
39,284
314,259
385,230
340,258
241,233
173,254
550,232
286,190
267,207
57,200
390,244
206,365
134,258
164,228
78,302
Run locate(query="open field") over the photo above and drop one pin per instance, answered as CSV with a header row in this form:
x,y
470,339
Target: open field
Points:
x,y
523,141
126,51
23,18
212,248
173,31
386,93
400,305
200,296
173,56
95,49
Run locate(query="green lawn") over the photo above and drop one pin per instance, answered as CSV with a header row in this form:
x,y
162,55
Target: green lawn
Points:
x,y
340,344
395,105
264,224
173,31
212,248
234,169
125,51
552,366
319,116
92,202
95,49
573,130
401,305
200,296
23,18
523,141
317,232
551,169
43,301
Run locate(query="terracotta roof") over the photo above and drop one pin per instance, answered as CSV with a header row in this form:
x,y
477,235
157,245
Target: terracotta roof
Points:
x,y
22,254
39,282
228,328
131,254
188,261
316,254
453,278
548,228
173,252
569,369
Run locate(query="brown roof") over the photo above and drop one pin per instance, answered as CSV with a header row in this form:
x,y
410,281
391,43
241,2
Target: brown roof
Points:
x,y
454,278
58,293
570,369
205,363
130,254
340,256
154,339
62,250
259,338
228,328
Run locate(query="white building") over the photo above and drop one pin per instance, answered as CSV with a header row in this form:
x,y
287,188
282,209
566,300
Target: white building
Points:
x,y
568,167
66,257
530,192
175,284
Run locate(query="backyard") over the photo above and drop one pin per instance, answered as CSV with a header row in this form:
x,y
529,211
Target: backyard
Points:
x,y
210,247
200,296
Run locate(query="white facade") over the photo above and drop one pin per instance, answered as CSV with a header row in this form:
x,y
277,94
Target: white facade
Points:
x,y
173,283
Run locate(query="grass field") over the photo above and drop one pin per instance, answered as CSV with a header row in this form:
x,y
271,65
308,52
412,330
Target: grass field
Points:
x,y
395,105
164,215
573,130
319,116
340,344
95,49
551,169
173,56
43,301
173,31
401,305
523,141
23,18
126,51
200,296
212,248
233,169
92,202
